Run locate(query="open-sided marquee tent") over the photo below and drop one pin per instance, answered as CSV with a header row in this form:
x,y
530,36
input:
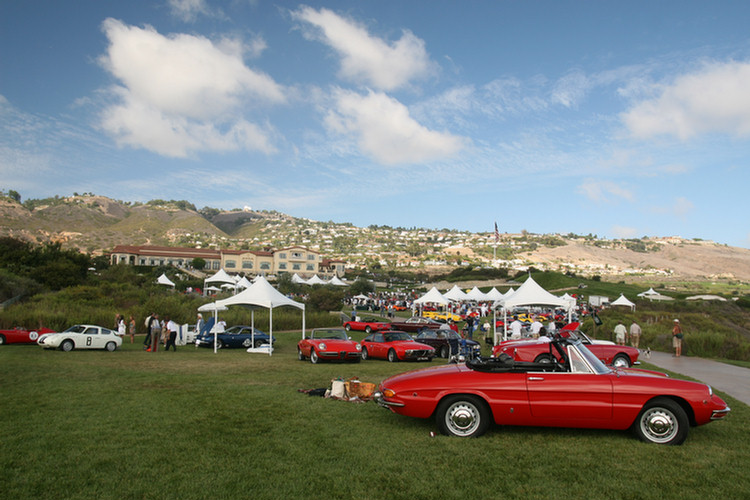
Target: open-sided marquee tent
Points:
x,y
262,294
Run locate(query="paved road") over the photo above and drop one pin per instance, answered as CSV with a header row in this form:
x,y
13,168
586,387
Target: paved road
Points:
x,y
733,380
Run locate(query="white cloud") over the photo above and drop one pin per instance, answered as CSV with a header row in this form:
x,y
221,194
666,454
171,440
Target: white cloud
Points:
x,y
183,93
597,190
367,59
189,10
385,130
714,99
570,89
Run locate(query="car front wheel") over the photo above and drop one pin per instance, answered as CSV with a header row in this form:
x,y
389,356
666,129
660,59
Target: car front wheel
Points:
x,y
392,357
368,330
445,351
364,354
463,416
219,344
621,361
67,345
314,357
662,421
111,346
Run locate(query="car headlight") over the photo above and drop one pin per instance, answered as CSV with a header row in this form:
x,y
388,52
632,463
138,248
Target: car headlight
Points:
x,y
322,346
409,352
358,347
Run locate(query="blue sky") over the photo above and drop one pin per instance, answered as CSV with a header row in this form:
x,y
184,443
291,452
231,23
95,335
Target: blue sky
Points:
x,y
621,119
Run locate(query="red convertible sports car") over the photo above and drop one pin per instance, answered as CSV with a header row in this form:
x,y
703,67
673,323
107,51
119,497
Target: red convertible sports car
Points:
x,y
367,325
581,392
540,350
328,344
395,346
20,335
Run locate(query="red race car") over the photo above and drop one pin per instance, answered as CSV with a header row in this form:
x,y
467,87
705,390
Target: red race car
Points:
x,y
328,344
20,335
395,346
580,392
540,350
366,325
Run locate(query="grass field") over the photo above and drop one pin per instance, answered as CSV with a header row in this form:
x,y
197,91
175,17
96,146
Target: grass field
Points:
x,y
194,424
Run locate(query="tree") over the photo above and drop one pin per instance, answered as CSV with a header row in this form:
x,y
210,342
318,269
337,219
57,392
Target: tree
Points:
x,y
198,263
14,195
361,285
325,298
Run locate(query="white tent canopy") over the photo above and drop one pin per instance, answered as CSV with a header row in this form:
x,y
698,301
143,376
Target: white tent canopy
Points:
x,y
706,297
652,294
455,294
528,294
570,299
262,294
244,283
164,280
623,301
494,294
336,281
220,277
296,278
433,296
476,294
315,280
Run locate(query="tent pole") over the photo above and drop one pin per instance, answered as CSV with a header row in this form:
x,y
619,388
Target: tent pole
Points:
x,y
270,329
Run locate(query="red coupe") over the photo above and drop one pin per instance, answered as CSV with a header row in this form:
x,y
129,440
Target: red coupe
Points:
x,y
366,325
20,335
581,392
395,346
540,350
330,344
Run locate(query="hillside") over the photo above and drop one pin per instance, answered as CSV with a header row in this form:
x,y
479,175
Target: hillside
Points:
x,y
95,224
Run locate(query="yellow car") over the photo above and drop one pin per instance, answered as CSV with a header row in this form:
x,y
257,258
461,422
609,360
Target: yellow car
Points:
x,y
445,316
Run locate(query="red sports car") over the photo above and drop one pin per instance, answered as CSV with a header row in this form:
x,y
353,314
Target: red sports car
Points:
x,y
581,392
328,344
366,325
20,335
540,350
395,346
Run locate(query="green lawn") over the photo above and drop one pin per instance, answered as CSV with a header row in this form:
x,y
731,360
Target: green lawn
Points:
x,y
194,424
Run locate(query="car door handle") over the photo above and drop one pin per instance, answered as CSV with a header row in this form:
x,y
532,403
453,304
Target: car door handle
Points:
x,y
536,378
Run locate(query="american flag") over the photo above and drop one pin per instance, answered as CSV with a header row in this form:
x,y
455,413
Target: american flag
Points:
x,y
497,234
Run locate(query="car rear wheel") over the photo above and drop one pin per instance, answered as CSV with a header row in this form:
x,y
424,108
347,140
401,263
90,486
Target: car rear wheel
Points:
x,y
300,356
2,339
463,416
314,357
219,344
445,351
368,330
348,327
621,361
364,354
67,345
662,421
111,346
392,357
247,343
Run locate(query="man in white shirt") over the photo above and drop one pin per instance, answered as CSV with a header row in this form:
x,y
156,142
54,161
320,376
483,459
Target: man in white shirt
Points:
x,y
536,326
515,329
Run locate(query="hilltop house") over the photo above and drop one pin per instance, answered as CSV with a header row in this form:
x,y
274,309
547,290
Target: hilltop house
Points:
x,y
300,260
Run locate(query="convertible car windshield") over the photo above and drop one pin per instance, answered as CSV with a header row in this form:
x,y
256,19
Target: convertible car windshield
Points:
x,y
330,335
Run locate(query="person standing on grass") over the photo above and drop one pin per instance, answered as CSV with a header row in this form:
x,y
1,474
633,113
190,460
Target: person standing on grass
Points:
x,y
131,329
155,333
620,333
677,338
120,321
635,334
171,333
